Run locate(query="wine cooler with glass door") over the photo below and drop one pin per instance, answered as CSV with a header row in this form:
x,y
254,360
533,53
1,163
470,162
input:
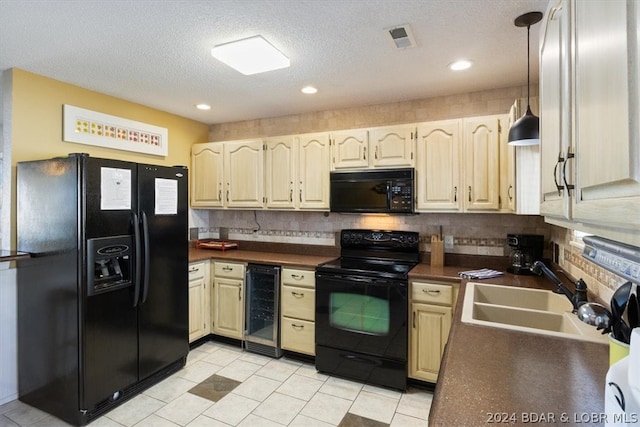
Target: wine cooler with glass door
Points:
x,y
262,299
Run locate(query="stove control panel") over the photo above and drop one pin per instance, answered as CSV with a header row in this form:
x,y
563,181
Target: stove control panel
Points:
x,y
379,238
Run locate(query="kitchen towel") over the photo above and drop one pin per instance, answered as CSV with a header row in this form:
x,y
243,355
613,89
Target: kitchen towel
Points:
x,y
485,273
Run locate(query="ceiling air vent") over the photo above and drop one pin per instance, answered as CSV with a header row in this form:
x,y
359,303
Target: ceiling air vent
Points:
x,y
402,37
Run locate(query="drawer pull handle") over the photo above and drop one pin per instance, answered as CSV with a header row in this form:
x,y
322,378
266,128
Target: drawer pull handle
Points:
x,y
193,270
227,268
298,276
297,294
431,291
297,327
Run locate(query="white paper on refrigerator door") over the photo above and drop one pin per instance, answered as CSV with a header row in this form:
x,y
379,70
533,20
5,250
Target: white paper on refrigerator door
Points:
x,y
115,189
166,196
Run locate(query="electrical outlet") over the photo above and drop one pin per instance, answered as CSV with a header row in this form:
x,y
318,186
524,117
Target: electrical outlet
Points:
x,y
561,256
448,241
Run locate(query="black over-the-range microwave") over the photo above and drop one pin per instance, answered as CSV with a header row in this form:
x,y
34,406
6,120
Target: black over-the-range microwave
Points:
x,y
373,191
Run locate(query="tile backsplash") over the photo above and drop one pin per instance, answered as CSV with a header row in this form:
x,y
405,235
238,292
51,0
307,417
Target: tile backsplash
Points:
x,y
474,234
600,281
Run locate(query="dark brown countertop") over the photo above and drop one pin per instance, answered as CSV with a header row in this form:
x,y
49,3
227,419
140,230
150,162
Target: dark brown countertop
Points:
x,y
276,258
488,374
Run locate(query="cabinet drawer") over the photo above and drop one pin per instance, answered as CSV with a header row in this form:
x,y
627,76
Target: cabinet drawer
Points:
x,y
298,335
196,270
432,292
228,269
296,277
298,302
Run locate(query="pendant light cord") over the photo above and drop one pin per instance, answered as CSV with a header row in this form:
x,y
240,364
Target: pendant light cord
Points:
x,y
528,68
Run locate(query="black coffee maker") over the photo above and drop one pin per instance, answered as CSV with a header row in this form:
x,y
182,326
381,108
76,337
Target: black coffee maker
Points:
x,y
525,250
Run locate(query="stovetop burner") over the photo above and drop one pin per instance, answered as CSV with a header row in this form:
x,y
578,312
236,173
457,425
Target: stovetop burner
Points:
x,y
375,253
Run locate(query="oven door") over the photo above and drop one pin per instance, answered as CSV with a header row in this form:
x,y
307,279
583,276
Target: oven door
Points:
x,y
362,315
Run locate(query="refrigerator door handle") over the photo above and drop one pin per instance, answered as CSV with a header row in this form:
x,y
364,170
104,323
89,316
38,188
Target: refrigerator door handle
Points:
x,y
137,263
145,239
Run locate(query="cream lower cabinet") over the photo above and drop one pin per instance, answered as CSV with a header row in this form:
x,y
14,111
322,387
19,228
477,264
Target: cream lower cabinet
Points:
x,y
228,299
199,300
430,322
297,320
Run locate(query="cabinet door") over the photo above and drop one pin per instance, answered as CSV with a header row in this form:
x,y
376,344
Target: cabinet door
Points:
x,y
392,146
197,322
430,326
280,172
482,155
313,169
607,158
555,108
206,175
228,304
508,162
349,149
438,166
244,174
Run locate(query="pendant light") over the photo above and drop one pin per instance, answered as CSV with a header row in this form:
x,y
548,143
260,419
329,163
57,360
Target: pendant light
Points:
x,y
526,130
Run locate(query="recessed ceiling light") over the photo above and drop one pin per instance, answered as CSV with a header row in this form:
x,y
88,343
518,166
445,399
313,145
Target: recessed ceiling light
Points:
x,y
309,90
203,107
460,65
250,56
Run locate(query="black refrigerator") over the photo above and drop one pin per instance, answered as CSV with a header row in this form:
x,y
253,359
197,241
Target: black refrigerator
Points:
x,y
103,299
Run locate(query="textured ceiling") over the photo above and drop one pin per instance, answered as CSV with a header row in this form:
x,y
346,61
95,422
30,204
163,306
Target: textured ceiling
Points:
x,y
157,52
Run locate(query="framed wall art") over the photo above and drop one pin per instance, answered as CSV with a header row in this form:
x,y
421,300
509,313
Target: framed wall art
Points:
x,y
92,128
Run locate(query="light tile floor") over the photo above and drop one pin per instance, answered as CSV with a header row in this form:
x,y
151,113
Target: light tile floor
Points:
x,y
265,392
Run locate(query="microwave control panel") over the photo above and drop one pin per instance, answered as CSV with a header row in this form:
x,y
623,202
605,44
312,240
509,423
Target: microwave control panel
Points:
x,y
401,197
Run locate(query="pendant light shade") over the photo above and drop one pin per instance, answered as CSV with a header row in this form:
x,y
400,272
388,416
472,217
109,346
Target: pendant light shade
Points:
x,y
526,130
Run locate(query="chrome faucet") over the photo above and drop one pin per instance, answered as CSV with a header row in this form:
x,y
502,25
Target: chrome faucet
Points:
x,y
577,299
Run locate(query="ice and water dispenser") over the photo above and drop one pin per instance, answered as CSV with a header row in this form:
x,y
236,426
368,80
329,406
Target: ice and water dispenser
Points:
x,y
109,263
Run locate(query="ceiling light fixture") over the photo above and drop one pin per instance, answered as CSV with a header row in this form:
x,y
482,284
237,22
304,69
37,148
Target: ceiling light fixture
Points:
x,y
203,107
251,56
526,130
309,90
460,65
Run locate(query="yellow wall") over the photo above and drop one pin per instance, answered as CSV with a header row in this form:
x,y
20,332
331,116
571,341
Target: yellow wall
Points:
x,y
36,131
36,126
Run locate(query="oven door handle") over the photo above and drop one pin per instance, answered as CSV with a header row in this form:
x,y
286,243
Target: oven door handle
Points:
x,y
361,280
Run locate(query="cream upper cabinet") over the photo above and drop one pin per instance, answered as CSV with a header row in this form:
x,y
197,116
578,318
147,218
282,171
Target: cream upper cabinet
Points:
x,y
349,149
606,134
313,171
458,165
281,181
392,146
207,175
590,117
555,108
438,165
519,166
380,147
244,174
481,148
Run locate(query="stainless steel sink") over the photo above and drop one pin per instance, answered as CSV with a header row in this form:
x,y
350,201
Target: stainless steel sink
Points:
x,y
525,310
